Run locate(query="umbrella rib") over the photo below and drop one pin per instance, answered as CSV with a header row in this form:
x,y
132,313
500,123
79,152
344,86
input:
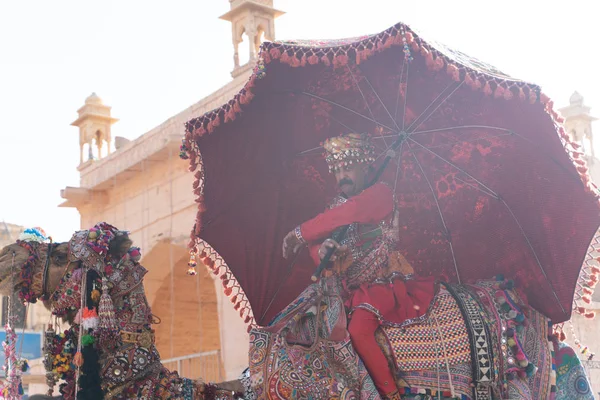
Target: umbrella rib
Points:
x,y
342,124
458,141
365,98
348,109
430,105
309,150
572,173
289,271
400,90
361,92
495,195
437,204
382,103
405,97
462,127
453,128
537,260
320,147
435,109
492,195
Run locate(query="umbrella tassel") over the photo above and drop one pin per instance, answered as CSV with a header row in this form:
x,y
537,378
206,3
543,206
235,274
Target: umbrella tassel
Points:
x,y
454,72
192,265
499,92
532,96
439,63
487,89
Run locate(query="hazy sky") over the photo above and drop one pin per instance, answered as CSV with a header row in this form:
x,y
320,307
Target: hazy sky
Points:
x,y
151,59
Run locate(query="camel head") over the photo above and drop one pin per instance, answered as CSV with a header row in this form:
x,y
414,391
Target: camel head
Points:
x,y
35,269
32,267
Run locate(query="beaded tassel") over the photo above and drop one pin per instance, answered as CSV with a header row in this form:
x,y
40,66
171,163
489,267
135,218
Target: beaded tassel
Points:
x,y
192,265
106,310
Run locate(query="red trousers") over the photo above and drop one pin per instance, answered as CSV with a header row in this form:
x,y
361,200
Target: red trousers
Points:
x,y
362,329
396,302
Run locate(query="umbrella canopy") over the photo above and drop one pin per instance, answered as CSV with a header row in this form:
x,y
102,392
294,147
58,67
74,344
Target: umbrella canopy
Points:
x,y
486,179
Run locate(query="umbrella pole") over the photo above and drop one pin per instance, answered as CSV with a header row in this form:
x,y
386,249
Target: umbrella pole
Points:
x,y
289,270
339,234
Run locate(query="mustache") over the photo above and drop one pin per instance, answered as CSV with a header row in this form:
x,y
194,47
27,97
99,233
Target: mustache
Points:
x,y
346,181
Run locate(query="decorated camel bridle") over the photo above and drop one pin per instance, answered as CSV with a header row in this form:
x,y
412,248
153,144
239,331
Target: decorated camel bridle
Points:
x,y
46,271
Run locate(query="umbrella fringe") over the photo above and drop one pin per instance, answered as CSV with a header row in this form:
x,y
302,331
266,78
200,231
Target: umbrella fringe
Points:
x,y
231,287
297,55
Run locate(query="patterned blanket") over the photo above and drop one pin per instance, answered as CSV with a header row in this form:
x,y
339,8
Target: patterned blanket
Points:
x,y
461,350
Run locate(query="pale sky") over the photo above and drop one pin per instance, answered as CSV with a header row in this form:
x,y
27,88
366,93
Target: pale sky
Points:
x,y
151,59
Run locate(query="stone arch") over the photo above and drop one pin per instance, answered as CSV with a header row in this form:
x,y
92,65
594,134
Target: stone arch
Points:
x,y
259,38
195,317
243,43
87,152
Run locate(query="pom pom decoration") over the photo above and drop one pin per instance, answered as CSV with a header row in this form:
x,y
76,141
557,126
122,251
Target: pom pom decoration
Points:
x,y
78,359
90,319
87,340
135,254
34,235
95,296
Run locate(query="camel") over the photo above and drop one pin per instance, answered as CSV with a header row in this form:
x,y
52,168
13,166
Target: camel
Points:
x,y
128,364
518,340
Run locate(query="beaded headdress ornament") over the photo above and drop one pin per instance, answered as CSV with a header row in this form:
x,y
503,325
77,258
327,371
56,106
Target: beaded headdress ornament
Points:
x,y
348,149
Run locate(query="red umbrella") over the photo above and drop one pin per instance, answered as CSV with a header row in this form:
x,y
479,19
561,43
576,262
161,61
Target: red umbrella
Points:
x,y
486,178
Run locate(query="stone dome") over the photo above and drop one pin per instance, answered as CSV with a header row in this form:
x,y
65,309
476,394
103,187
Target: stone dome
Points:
x,y
93,99
576,98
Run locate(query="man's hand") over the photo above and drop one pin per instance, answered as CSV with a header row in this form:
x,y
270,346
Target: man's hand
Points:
x,y
291,245
330,244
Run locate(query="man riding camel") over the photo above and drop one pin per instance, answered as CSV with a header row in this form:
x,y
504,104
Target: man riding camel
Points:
x,y
377,285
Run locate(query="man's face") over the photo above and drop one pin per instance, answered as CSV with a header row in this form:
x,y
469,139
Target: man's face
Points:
x,y
352,179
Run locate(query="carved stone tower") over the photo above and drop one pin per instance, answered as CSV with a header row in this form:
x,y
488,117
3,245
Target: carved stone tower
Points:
x,y
94,125
578,123
254,18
